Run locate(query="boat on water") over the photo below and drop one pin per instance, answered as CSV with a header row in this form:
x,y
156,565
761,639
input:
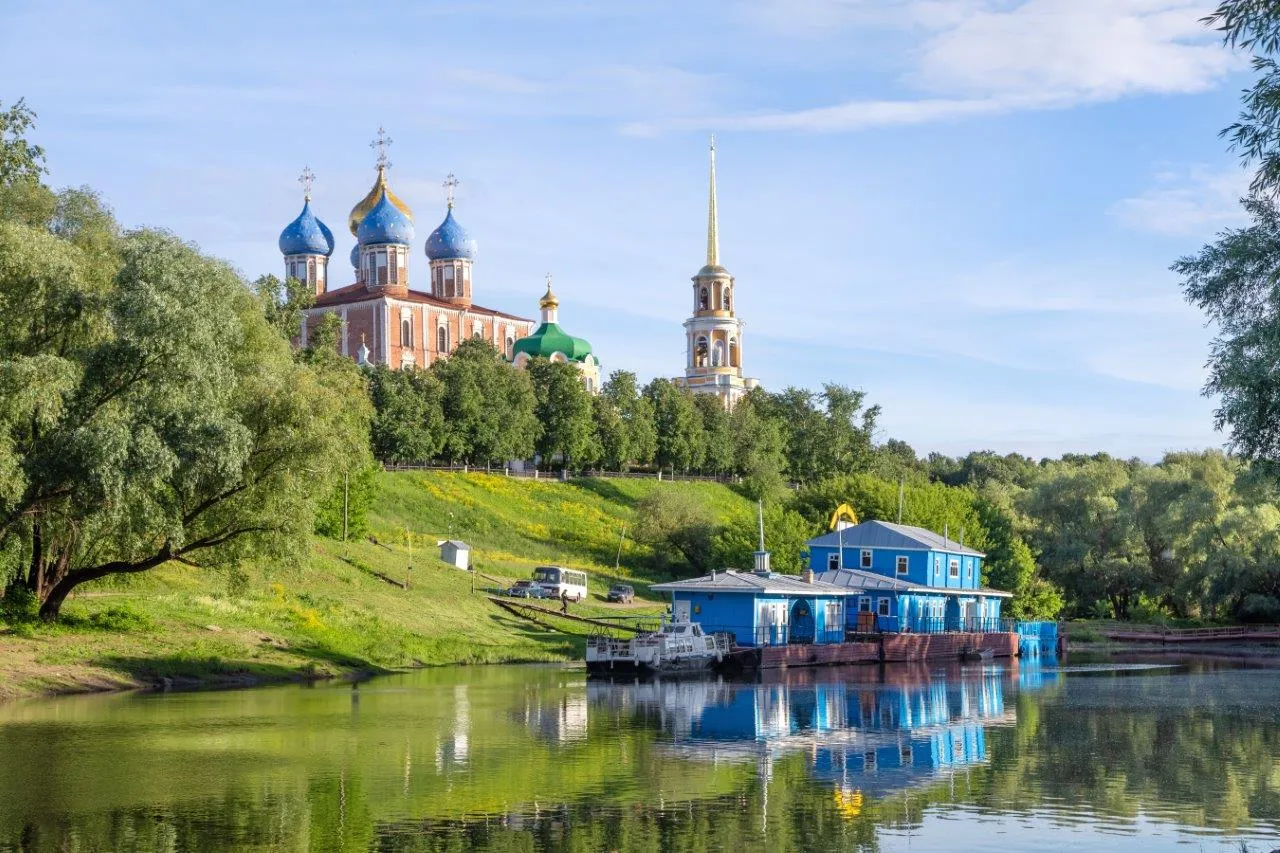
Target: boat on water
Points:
x,y
972,654
677,647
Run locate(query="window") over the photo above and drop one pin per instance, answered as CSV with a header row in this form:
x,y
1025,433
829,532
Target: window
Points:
x,y
864,604
717,354
510,346
382,267
406,332
702,299
953,568
700,353
725,302
448,281
866,560
442,339
903,563
733,352
311,270
882,606
833,561
833,615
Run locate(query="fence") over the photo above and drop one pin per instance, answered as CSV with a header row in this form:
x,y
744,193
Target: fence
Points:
x,y
563,475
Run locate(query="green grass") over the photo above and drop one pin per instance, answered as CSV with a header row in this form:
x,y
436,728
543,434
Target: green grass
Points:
x,y
338,613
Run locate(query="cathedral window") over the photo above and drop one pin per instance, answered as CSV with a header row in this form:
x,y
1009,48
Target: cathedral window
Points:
x,y
311,270
733,352
727,303
703,299
717,354
442,340
406,333
448,281
700,352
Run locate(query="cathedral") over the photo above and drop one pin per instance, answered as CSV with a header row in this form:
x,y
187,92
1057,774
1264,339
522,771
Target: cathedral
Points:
x,y
713,334
385,320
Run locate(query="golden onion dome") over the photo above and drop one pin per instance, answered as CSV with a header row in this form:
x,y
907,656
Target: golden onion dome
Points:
x,y
366,204
549,300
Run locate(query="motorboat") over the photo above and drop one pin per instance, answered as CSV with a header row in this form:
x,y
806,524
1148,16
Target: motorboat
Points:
x,y
675,647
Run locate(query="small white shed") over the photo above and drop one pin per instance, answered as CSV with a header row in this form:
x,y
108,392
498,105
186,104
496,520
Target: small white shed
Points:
x,y
456,553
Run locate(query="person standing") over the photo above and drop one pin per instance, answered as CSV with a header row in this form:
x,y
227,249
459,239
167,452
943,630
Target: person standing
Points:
x,y
564,601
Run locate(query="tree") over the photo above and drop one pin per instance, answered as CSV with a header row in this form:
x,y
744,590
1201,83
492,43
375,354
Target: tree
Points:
x,y
158,418
636,412
488,405
676,425
786,535
283,303
562,410
611,440
1254,25
757,447
678,527
20,160
408,421
716,433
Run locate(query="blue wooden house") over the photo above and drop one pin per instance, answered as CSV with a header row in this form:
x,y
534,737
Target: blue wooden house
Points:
x,y
761,608
906,578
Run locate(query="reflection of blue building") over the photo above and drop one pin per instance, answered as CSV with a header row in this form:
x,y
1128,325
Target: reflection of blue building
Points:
x,y
902,578
874,738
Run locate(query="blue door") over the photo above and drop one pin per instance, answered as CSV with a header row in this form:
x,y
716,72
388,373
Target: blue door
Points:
x,y
802,628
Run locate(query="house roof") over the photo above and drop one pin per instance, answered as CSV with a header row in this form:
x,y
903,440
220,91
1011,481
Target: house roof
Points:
x,y
731,580
357,292
855,581
884,534
457,543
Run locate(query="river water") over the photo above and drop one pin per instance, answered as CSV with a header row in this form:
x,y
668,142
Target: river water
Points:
x,y
1161,754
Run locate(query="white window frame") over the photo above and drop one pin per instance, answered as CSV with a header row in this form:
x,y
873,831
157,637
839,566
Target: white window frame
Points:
x,y
833,561
902,565
864,604
882,606
864,560
953,567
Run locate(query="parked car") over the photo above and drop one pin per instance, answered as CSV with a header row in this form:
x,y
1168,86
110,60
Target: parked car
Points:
x,y
527,589
621,593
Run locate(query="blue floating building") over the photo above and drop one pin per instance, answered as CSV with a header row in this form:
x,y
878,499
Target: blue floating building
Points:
x,y
900,578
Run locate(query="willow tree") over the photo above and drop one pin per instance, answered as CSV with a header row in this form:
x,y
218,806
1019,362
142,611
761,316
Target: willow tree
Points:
x,y
149,412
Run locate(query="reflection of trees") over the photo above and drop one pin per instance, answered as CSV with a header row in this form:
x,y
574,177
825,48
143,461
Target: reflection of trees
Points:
x,y
298,770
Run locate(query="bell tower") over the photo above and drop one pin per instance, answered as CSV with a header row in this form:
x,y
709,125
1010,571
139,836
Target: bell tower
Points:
x,y
713,332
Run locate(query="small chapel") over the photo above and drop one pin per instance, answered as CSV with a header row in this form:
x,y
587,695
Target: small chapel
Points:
x,y
385,319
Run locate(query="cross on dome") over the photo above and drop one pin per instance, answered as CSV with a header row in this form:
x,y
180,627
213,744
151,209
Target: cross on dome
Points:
x,y
307,178
450,184
380,145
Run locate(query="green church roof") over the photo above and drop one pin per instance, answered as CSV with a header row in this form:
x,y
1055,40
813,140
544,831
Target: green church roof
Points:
x,y
550,339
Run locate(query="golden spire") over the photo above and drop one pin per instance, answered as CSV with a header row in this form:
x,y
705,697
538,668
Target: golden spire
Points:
x,y
713,234
549,300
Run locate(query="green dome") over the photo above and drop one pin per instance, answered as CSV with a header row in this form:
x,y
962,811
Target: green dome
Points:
x,y
550,339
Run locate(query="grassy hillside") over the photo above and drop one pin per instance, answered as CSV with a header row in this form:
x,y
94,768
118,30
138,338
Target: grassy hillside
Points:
x,y
339,613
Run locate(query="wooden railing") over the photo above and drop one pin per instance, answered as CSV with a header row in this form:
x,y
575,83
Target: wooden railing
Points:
x,y
1187,635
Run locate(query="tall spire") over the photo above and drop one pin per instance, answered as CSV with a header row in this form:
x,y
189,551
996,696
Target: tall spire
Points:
x,y
713,235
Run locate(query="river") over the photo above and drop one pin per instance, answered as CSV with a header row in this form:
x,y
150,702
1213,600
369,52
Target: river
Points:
x,y
1134,754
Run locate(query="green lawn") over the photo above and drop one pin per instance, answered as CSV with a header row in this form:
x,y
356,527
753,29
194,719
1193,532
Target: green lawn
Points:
x,y
338,613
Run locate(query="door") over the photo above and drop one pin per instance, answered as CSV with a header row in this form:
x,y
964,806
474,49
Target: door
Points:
x,y
802,624
680,610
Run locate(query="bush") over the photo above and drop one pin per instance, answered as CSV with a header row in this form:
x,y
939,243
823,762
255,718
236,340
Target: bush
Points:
x,y
119,619
1259,608
19,606
1084,634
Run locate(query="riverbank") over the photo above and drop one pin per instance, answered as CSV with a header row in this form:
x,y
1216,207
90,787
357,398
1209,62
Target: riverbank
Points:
x,y
343,612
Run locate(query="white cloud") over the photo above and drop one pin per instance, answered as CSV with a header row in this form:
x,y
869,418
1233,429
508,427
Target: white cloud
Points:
x,y
1197,202
984,57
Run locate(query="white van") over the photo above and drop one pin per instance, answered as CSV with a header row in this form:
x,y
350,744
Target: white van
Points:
x,y
557,580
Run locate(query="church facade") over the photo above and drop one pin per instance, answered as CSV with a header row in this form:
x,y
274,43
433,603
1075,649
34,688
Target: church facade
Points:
x,y
713,333
386,319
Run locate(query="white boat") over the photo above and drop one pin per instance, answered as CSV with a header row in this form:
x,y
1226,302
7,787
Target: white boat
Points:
x,y
675,647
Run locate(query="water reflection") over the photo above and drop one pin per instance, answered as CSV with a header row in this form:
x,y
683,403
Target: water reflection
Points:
x,y
1028,757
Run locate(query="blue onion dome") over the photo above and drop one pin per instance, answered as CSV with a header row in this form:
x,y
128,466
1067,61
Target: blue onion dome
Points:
x,y
385,224
355,257
306,235
450,241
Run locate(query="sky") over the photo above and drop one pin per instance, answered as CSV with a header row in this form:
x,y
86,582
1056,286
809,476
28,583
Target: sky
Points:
x,y
965,208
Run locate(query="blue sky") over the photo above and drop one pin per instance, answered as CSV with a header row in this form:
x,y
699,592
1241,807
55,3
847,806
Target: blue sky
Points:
x,y
966,208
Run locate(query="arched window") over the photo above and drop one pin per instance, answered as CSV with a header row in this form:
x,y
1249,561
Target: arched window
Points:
x,y
442,340
448,281
728,305
733,352
406,333
510,346
717,354
700,353
702,299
